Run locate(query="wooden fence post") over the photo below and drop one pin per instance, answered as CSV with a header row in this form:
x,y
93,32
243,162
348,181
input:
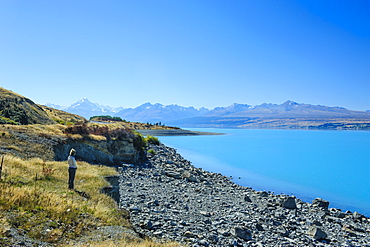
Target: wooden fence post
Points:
x,y
1,166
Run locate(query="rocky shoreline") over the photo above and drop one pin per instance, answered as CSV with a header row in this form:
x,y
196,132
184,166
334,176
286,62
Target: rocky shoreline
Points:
x,y
170,199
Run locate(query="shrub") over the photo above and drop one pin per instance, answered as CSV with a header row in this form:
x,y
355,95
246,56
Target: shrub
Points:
x,y
47,171
152,140
106,118
79,129
4,120
84,130
59,121
139,140
151,151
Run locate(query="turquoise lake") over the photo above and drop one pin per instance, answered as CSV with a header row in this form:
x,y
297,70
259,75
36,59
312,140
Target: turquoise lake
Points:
x,y
333,165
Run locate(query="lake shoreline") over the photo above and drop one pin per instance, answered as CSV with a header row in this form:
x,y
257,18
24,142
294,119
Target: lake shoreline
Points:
x,y
168,198
305,163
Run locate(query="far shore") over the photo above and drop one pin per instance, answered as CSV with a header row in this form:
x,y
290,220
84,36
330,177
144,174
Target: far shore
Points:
x,y
174,132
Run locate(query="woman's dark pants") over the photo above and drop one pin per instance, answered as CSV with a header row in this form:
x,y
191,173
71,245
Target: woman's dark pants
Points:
x,y
71,179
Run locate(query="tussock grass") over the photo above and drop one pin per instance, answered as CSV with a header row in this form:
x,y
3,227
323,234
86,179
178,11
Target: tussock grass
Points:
x,y
62,117
34,197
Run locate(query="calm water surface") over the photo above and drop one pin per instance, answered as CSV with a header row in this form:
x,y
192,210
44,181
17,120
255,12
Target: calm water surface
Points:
x,y
333,165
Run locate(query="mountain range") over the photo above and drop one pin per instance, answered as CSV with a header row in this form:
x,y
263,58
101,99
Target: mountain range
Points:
x,y
267,115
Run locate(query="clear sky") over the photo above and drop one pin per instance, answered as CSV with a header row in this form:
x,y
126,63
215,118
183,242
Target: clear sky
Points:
x,y
187,52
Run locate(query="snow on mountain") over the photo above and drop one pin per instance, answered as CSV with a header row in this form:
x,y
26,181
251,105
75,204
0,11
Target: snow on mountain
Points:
x,y
84,107
230,109
58,107
154,113
180,115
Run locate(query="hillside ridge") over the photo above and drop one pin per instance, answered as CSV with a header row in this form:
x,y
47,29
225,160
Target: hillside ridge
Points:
x,y
19,110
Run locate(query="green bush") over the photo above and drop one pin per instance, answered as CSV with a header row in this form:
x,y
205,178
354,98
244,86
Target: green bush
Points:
x,y
4,120
139,140
59,121
151,151
152,140
106,118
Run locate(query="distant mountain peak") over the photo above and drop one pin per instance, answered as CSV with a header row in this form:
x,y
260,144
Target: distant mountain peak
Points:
x,y
176,114
290,102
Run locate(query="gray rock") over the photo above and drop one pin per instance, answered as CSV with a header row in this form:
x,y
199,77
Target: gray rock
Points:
x,y
203,242
264,194
321,203
192,179
282,231
316,233
189,234
357,215
158,233
147,225
242,233
289,203
247,198
339,214
173,174
205,213
259,227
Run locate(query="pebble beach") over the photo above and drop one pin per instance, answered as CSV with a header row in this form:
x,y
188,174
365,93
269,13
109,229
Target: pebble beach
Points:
x,y
170,199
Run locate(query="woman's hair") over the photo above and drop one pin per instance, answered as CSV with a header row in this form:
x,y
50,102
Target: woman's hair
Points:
x,y
72,152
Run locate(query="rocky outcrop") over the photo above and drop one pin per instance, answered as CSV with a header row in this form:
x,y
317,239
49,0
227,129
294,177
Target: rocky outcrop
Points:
x,y
111,152
171,199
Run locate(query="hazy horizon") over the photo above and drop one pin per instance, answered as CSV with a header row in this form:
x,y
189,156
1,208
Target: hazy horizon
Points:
x,y
190,53
153,103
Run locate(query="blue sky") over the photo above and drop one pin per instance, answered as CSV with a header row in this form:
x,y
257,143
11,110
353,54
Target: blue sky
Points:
x,y
187,52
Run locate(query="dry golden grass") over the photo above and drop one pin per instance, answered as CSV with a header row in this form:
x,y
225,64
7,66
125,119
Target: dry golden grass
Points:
x,y
8,94
55,129
62,117
34,197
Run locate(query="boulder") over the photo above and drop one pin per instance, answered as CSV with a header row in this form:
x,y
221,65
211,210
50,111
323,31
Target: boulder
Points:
x,y
356,215
247,198
193,179
259,227
316,233
186,174
321,203
282,231
147,225
172,174
242,233
264,194
189,234
205,213
289,203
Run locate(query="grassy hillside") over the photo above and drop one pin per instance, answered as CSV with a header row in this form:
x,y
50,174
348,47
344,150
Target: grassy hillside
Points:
x,y
35,204
17,109
34,199
33,189
62,117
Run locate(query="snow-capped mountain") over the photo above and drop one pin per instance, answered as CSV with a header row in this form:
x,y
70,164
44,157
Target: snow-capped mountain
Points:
x,y
230,109
159,113
235,115
87,109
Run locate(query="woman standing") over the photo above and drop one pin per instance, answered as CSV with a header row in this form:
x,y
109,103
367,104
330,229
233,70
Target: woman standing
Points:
x,y
72,169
